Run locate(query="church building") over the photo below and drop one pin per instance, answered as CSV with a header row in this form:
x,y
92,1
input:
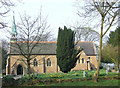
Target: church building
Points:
x,y
45,60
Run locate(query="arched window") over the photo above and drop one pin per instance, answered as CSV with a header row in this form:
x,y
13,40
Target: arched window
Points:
x,y
83,61
35,63
48,62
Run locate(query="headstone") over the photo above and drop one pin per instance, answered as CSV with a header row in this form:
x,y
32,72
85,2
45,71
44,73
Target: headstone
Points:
x,y
108,68
107,72
36,74
83,73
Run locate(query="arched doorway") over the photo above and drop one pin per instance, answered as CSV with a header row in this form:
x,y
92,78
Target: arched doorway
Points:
x,y
19,70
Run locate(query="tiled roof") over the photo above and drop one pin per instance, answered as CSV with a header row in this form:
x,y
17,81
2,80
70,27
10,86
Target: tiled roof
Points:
x,y
88,47
49,47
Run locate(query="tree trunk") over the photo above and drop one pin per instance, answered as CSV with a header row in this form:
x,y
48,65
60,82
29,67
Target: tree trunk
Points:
x,y
117,67
28,62
100,54
100,48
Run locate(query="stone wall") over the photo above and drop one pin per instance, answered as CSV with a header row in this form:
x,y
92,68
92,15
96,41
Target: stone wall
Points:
x,y
42,67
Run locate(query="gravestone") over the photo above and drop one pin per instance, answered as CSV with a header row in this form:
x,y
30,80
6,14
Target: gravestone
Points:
x,y
84,74
108,68
107,72
36,74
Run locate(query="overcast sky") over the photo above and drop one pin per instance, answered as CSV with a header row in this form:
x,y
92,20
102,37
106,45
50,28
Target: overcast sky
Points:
x,y
58,12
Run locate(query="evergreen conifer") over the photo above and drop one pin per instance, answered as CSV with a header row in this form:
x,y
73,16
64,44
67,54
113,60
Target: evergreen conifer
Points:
x,y
67,55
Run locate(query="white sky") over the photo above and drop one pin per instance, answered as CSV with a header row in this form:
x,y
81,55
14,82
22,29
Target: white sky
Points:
x,y
58,12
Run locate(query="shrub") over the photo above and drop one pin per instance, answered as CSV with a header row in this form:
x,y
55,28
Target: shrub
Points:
x,y
76,74
8,81
21,81
8,76
33,76
39,77
26,76
102,74
101,67
56,76
90,75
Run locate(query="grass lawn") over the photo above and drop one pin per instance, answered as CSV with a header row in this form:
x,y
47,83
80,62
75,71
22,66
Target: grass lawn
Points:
x,y
64,79
79,74
72,74
86,83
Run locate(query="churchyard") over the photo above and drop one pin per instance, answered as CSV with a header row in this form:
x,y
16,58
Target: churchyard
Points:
x,y
73,78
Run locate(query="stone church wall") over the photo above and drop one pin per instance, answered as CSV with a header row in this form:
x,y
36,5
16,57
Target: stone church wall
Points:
x,y
42,67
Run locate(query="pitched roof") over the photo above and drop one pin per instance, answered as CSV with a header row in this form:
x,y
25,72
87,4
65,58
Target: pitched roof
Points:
x,y
49,47
88,47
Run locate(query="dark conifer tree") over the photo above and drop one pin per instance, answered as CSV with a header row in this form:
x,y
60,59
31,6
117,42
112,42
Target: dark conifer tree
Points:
x,y
114,37
67,55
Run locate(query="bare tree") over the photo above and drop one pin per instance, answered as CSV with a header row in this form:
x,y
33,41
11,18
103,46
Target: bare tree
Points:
x,y
103,14
4,9
30,32
85,34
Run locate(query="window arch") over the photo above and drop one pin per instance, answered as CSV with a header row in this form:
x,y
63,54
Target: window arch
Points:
x,y
83,61
48,62
35,63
